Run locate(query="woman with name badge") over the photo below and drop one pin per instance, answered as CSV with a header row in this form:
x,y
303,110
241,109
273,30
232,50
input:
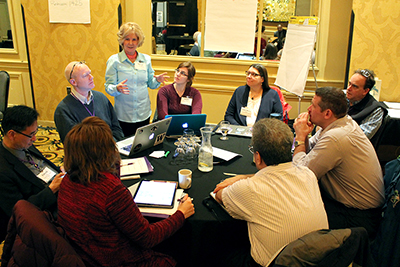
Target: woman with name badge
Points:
x,y
128,75
97,211
255,100
179,97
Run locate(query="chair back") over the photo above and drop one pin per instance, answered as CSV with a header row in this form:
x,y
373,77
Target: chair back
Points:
x,y
327,248
285,106
4,88
34,239
377,138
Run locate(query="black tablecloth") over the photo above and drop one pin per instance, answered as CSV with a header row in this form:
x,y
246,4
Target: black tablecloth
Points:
x,y
209,236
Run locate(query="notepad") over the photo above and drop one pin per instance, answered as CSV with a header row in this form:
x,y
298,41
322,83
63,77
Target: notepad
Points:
x,y
130,168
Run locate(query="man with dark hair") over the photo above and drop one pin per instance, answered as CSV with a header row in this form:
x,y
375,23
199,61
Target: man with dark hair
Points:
x,y
24,172
344,161
280,203
84,102
363,107
280,34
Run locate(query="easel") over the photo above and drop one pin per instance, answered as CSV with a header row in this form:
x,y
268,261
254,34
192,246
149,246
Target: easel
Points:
x,y
312,61
298,55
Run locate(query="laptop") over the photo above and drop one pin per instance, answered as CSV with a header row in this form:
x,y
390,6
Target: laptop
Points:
x,y
145,137
245,56
181,122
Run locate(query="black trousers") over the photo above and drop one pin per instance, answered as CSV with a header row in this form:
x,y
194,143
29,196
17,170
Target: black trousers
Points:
x,y
340,216
129,129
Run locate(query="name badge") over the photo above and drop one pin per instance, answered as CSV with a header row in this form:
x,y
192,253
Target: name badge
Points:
x,y
245,111
140,65
47,174
186,101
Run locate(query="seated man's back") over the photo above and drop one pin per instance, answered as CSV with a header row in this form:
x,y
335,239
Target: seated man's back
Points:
x,y
281,202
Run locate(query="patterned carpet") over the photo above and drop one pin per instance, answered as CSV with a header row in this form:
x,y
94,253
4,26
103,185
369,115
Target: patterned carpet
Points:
x,y
48,142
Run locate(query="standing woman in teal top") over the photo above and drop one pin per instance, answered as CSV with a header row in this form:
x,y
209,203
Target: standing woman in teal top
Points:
x,y
128,75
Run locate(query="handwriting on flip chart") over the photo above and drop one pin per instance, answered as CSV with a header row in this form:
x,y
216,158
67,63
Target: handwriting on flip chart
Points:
x,y
69,11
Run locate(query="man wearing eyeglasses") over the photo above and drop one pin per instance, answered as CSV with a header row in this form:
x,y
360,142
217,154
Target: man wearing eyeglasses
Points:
x,y
281,202
83,102
24,172
363,107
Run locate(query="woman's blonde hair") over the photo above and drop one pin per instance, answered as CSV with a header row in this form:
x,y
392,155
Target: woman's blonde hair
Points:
x,y
128,28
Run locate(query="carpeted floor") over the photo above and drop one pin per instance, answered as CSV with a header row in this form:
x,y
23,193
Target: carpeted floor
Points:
x,y
48,142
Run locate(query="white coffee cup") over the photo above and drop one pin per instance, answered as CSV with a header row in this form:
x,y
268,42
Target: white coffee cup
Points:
x,y
185,178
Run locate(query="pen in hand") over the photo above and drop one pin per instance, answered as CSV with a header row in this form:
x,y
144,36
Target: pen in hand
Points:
x,y
182,198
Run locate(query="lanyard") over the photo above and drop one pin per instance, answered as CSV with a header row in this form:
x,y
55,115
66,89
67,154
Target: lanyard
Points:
x,y
30,160
91,114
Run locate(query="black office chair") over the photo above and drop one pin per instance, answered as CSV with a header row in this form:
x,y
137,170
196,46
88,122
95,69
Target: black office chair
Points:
x,y
4,88
377,138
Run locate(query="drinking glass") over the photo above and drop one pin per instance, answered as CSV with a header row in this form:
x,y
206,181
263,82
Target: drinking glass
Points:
x,y
224,127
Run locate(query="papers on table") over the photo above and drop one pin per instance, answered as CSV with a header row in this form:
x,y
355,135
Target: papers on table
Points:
x,y
224,154
130,168
394,113
393,109
394,105
158,212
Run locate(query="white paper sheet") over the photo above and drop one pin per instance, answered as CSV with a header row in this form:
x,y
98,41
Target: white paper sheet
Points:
x,y
224,154
69,11
295,63
230,25
133,166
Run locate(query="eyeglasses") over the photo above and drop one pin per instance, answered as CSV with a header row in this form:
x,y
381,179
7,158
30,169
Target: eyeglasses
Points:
x,y
29,136
252,74
251,149
365,73
72,70
181,72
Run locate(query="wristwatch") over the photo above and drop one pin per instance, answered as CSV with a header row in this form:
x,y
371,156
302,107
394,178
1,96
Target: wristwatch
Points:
x,y
299,143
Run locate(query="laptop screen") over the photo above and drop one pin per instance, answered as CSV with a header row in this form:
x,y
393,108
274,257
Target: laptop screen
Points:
x,y
181,122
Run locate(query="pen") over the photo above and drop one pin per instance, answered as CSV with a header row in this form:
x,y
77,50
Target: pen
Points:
x,y
63,174
166,154
230,174
129,177
181,200
126,164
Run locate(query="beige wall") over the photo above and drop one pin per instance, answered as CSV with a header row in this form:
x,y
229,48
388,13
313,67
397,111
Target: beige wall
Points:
x,y
376,43
53,45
